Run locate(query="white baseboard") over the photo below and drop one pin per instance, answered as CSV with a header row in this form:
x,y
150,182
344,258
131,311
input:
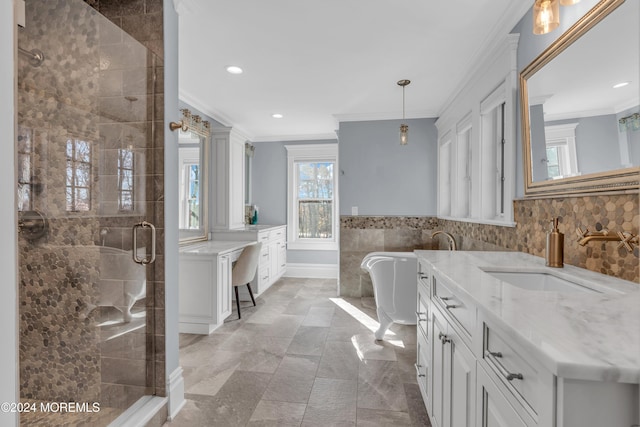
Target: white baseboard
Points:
x,y
312,271
175,388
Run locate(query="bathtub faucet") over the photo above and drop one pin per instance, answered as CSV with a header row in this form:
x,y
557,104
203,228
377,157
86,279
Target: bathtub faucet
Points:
x,y
452,241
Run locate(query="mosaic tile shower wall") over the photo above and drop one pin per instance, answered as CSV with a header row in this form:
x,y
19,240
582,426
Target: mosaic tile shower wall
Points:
x,y
361,235
91,163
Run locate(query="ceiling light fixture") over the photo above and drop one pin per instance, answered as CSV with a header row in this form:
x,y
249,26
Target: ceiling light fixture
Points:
x,y
234,69
546,16
277,116
621,84
404,129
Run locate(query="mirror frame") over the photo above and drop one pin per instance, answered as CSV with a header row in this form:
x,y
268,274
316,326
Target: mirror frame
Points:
x,y
619,180
202,129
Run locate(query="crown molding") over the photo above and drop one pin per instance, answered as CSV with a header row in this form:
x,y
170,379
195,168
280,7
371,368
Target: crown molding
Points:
x,y
213,113
493,45
366,117
289,138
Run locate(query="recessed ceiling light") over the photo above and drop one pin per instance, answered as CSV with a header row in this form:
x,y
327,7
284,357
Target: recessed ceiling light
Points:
x,y
234,69
277,116
619,85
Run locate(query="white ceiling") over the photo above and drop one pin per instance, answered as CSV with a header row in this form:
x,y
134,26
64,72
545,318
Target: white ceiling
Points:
x,y
320,62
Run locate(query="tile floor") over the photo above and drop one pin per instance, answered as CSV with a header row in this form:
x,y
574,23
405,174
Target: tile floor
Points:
x,y
302,357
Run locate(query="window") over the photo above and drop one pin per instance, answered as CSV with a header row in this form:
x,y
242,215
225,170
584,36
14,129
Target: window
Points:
x,y
78,182
125,180
312,202
561,157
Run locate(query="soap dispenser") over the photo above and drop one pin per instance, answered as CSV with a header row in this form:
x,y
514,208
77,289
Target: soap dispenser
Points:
x,y
555,246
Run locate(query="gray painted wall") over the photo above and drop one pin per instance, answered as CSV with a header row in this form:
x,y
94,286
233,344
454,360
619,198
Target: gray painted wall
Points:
x,y
269,193
529,47
8,221
380,176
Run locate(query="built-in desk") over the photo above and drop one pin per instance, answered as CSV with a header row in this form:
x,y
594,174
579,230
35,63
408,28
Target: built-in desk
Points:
x,y
205,284
273,255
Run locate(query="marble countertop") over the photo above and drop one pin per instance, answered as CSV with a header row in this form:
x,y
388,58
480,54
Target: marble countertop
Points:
x,y
214,247
255,227
577,335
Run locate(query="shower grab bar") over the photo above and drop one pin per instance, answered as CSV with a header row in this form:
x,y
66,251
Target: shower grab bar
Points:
x,y
145,260
36,57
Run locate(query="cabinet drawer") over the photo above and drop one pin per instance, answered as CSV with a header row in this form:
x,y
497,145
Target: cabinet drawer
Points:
x,y
278,234
263,276
423,368
461,310
264,237
422,312
264,256
424,277
510,367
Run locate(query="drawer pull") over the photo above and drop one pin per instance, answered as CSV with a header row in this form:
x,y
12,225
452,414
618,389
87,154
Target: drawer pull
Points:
x,y
512,377
422,276
443,338
418,370
508,375
450,306
420,313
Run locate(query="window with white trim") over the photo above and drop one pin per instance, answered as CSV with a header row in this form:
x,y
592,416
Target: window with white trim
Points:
x,y
562,159
312,196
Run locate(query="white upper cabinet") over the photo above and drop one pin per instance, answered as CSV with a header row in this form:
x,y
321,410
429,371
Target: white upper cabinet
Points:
x,y
477,138
229,173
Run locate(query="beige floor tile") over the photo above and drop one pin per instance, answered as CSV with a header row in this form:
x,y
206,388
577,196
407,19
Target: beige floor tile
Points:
x,y
332,402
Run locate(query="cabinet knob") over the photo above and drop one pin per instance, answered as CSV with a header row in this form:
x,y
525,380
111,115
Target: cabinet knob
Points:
x,y
443,338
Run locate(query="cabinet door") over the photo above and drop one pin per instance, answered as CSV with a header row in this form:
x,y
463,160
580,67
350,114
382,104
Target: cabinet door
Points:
x,y
439,396
493,408
224,287
282,257
463,382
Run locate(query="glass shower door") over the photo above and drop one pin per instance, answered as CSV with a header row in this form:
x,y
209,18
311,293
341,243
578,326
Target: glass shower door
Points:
x,y
91,215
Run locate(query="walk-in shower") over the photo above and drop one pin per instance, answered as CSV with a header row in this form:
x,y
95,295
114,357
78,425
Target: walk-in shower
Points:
x,y
90,193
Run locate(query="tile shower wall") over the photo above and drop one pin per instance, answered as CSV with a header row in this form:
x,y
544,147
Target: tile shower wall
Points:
x,y
361,235
63,356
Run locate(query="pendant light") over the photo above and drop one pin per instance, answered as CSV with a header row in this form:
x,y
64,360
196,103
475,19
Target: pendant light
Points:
x,y
404,129
546,16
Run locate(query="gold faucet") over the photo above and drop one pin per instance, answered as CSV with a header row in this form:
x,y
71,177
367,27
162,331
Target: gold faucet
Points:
x,y
452,241
626,239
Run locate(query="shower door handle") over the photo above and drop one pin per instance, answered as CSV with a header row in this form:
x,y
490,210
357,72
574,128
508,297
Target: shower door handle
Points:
x,y
134,234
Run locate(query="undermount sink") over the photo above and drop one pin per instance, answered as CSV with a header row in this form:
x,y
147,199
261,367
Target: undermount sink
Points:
x,y
539,281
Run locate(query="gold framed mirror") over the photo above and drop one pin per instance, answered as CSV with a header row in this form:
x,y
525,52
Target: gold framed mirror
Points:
x,y
580,103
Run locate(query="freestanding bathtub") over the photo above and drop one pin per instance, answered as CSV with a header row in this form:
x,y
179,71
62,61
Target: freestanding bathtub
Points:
x,y
394,287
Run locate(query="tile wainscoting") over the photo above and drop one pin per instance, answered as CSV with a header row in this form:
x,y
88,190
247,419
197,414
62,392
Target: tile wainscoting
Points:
x,y
360,235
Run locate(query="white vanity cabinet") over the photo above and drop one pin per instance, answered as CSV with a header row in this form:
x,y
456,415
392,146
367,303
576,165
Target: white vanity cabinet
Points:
x,y
205,285
454,367
273,255
501,356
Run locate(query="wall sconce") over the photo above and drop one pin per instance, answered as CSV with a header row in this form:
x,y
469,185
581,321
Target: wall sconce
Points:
x,y
631,122
546,16
404,129
249,150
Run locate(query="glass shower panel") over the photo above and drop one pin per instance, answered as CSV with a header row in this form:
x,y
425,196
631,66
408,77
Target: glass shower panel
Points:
x,y
89,165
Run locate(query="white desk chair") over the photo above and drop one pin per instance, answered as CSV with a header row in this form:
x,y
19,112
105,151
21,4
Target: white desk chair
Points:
x,y
245,270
